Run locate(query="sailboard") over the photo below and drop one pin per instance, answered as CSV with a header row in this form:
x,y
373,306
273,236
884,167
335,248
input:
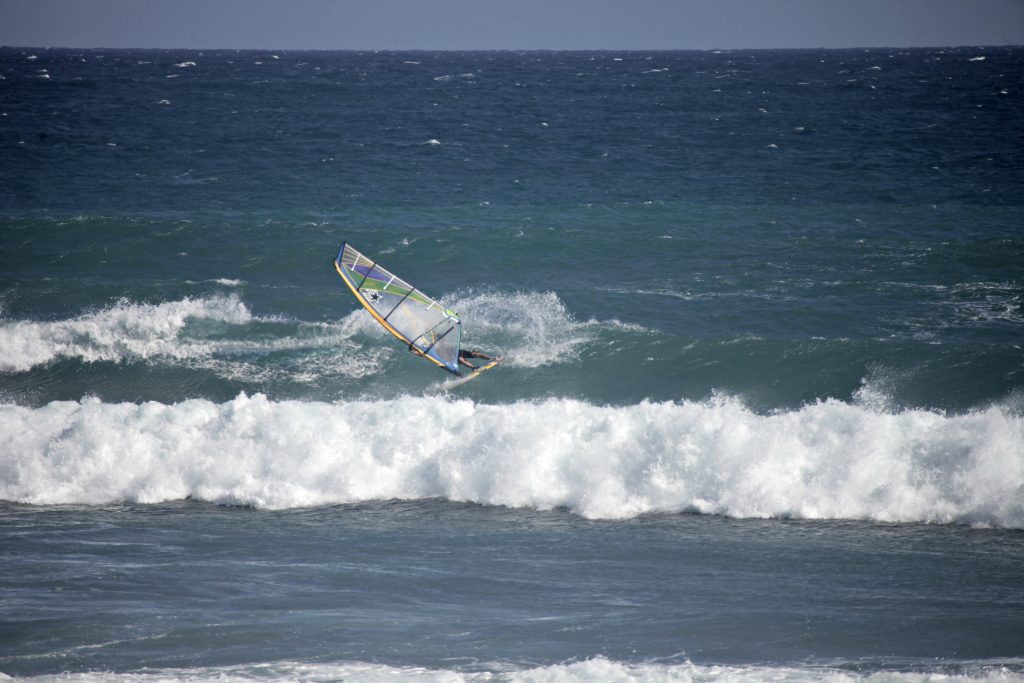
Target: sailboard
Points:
x,y
428,328
473,375
453,383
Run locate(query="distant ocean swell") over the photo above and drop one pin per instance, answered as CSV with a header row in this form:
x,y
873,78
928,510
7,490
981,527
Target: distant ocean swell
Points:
x,y
822,461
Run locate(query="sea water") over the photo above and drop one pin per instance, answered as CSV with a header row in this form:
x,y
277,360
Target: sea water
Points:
x,y
761,413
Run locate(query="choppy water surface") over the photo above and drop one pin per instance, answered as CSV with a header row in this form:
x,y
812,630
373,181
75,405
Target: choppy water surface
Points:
x,y
760,414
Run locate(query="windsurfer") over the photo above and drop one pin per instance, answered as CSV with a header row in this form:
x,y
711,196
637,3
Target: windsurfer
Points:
x,y
466,353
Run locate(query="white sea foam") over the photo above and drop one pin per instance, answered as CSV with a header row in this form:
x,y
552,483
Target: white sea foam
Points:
x,y
823,461
531,329
120,332
596,670
127,332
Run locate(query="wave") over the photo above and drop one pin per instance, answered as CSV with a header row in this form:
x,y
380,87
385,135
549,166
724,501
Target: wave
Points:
x,y
120,332
218,334
828,460
596,670
531,329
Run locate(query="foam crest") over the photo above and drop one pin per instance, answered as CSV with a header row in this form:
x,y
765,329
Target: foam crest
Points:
x,y
121,332
596,670
185,333
531,329
823,461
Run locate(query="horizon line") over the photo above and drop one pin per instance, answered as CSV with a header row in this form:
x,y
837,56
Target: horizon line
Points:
x,y
522,49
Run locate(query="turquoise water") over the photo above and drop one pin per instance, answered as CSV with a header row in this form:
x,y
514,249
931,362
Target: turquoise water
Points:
x,y
760,413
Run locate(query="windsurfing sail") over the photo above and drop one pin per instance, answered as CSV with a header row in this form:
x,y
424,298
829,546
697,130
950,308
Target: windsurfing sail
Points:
x,y
425,326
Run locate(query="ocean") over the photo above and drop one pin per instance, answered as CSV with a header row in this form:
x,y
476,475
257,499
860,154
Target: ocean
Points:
x,y
760,415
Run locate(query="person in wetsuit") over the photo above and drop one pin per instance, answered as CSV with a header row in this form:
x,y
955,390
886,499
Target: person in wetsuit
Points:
x,y
465,354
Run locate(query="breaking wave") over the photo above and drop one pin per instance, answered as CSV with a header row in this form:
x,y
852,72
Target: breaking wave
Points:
x,y
822,461
120,332
596,670
530,328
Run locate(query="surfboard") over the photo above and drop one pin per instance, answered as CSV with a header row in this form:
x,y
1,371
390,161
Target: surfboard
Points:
x,y
473,375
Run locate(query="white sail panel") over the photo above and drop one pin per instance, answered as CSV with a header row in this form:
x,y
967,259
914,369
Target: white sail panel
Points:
x,y
427,327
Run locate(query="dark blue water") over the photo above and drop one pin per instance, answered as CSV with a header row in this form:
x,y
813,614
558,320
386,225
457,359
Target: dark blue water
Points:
x,y
759,416
447,586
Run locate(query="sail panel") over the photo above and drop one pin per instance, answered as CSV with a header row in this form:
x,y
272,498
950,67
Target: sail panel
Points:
x,y
422,323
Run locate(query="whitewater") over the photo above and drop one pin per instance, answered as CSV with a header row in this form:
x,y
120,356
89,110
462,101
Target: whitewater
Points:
x,y
121,331
760,415
597,669
829,460
864,458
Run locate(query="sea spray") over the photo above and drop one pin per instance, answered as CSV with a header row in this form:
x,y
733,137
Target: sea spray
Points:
x,y
822,461
815,258
123,331
594,670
